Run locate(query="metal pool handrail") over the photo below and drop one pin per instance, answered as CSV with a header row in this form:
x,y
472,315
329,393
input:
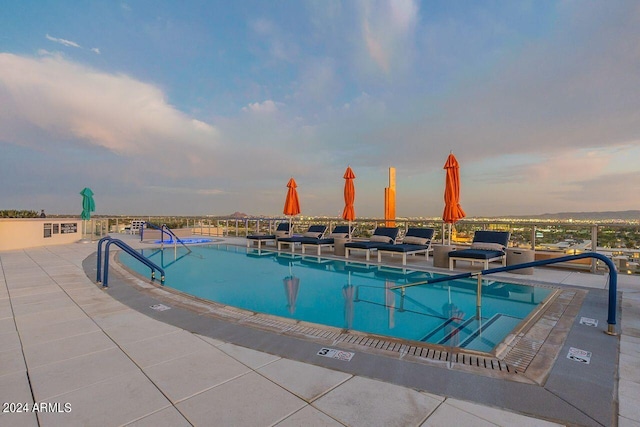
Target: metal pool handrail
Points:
x,y
175,238
159,228
152,225
613,279
128,249
164,229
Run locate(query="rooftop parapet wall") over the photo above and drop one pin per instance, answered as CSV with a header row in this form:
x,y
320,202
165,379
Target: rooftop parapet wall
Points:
x,y
21,233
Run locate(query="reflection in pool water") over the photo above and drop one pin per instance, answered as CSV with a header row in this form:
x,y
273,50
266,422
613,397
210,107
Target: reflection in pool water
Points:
x,y
349,295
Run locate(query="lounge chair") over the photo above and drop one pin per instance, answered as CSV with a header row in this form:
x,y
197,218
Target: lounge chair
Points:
x,y
313,232
487,246
416,241
328,242
281,231
381,236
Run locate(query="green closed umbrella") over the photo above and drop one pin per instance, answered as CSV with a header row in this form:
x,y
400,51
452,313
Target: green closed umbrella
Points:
x,y
88,205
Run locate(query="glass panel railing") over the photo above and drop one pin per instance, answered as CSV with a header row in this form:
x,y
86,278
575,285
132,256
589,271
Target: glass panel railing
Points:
x,y
619,241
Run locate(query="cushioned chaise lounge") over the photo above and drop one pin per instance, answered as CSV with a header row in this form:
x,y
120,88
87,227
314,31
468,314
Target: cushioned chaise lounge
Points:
x,y
313,232
416,241
487,246
381,236
328,242
281,231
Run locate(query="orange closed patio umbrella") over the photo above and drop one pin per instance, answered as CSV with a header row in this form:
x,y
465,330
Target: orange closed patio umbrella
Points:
x,y
349,212
452,209
291,203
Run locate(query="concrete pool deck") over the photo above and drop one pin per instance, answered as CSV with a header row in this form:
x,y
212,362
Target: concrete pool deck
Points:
x,y
92,360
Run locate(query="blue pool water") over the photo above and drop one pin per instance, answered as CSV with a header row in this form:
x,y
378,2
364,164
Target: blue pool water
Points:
x,y
187,240
348,295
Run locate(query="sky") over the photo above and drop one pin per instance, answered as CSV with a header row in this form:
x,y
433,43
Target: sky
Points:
x,y
209,107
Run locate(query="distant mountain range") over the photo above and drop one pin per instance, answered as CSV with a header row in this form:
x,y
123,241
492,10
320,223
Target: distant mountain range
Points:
x,y
622,215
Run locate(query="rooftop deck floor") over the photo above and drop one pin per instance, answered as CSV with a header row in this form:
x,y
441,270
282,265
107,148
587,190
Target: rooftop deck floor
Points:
x,y
93,360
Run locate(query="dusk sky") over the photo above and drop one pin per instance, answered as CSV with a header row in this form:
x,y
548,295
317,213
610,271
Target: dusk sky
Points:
x,y
209,107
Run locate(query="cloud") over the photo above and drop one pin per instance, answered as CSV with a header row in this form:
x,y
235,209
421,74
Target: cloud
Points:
x,y
279,45
63,42
387,29
52,98
556,94
95,50
569,166
265,107
318,83
186,190
122,136
611,190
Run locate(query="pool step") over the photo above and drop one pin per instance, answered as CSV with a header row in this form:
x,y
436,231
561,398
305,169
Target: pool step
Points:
x,y
473,333
490,333
448,329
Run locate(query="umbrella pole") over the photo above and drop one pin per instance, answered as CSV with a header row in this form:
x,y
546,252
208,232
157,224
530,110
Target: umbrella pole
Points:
x,y
84,238
449,233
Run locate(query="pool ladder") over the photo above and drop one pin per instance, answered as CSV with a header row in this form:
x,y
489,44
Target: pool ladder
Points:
x,y
102,274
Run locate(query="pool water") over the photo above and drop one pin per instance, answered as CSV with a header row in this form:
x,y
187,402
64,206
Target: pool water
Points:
x,y
350,295
187,240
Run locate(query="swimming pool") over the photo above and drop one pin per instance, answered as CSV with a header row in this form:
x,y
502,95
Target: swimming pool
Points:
x,y
349,295
186,240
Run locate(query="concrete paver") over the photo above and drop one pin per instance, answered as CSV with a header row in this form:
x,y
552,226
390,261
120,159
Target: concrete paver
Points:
x,y
309,417
366,402
168,417
53,379
250,400
164,348
252,358
305,381
11,361
39,354
194,373
445,413
9,341
115,366
117,400
628,394
15,389
497,416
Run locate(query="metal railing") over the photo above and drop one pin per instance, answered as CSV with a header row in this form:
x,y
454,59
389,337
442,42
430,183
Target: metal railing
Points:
x,y
616,240
164,229
613,280
104,280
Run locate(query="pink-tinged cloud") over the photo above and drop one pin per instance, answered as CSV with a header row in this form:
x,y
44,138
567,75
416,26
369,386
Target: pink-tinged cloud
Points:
x,y
387,29
51,98
570,166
